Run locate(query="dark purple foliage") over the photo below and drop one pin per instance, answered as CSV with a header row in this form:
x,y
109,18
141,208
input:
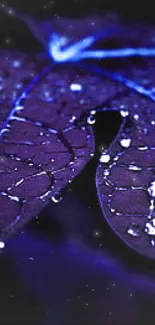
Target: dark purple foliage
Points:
x,y
49,140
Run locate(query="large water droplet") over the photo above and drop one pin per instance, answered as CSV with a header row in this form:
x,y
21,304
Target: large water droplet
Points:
x,y
105,158
125,143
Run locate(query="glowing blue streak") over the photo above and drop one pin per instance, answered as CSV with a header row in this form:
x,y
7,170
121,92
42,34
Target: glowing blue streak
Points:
x,y
75,52
71,52
117,77
118,53
23,96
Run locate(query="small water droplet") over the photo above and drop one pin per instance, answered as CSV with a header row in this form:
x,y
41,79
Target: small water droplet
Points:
x,y
106,172
150,227
151,189
91,119
152,242
56,197
72,119
136,117
2,244
75,87
143,148
72,163
133,230
134,167
92,112
124,113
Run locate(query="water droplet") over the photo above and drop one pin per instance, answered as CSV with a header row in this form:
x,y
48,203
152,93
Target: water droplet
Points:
x,y
106,172
124,113
143,148
134,167
2,244
105,158
97,233
72,163
56,197
133,231
92,112
91,119
31,164
136,117
72,119
150,227
152,242
151,189
125,143
75,87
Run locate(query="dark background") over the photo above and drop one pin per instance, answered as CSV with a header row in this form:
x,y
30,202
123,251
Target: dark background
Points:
x,y
68,267
137,9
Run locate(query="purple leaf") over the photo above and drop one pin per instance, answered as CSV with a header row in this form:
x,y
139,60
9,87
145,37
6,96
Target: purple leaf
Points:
x,y
48,141
125,183
126,177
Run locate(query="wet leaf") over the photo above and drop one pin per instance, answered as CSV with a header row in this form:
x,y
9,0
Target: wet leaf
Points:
x,y
126,176
48,139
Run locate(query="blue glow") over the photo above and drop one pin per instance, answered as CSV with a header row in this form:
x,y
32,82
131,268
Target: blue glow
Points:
x,y
71,255
115,53
76,51
16,64
71,52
